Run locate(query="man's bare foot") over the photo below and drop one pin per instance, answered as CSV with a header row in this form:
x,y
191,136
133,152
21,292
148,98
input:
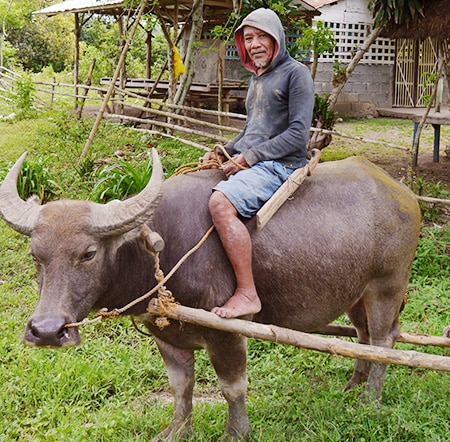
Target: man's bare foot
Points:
x,y
240,304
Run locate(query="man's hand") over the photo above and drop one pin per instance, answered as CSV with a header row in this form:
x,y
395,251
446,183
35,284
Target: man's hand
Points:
x,y
231,167
210,157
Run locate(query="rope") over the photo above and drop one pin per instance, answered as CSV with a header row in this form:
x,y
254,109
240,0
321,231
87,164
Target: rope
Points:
x,y
210,164
165,296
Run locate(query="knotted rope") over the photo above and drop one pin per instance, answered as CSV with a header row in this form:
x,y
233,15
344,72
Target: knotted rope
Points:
x,y
210,164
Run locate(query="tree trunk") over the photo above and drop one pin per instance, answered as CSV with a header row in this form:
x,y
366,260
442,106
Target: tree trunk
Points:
x,y
314,65
339,82
194,36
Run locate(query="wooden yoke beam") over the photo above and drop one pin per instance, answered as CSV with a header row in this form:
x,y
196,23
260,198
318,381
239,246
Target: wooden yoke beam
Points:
x,y
299,339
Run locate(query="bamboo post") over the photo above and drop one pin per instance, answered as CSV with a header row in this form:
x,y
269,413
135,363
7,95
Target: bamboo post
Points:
x,y
86,88
113,82
299,339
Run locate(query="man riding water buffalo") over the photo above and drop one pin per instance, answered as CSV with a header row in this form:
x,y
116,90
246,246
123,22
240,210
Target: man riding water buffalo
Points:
x,y
271,146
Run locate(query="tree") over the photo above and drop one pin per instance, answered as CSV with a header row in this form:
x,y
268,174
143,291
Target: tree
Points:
x,y
43,42
35,41
319,40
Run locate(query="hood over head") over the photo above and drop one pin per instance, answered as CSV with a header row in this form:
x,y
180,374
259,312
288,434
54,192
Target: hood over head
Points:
x,y
268,21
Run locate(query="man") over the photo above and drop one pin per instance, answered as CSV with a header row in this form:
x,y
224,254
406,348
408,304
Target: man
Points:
x,y
279,105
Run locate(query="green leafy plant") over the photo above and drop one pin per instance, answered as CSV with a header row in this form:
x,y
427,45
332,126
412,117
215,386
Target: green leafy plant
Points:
x,y
323,118
428,81
322,112
402,11
22,96
35,179
121,179
339,72
319,40
431,212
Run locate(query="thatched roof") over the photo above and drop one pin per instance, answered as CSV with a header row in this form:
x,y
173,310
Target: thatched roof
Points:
x,y
435,23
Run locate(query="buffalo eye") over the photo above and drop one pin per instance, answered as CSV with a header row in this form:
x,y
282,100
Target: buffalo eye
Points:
x,y
88,255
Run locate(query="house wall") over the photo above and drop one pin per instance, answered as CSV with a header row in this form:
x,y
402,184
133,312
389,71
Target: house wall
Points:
x,y
369,88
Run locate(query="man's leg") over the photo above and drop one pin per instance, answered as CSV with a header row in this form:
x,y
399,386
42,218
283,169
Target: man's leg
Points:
x,y
237,244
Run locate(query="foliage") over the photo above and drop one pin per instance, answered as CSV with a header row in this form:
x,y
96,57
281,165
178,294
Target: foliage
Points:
x,y
318,39
35,179
431,212
429,79
433,255
120,180
43,42
398,11
23,94
99,40
323,116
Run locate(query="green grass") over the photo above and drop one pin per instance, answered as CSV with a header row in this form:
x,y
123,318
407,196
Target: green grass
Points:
x,y
114,386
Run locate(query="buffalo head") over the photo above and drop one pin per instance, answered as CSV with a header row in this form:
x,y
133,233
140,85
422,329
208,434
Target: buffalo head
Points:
x,y
75,245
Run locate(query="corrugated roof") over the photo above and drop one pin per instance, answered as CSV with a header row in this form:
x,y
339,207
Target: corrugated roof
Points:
x,y
114,6
99,6
320,3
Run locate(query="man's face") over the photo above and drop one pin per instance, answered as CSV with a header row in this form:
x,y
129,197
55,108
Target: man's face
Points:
x,y
259,45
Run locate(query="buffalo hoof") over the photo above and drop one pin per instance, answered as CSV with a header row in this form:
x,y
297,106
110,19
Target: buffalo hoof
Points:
x,y
175,432
227,437
239,431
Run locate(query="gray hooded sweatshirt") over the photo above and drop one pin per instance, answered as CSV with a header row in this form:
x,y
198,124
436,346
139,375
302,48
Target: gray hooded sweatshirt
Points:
x,y
279,102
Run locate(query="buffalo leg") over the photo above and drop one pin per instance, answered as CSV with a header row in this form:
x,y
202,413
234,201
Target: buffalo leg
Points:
x,y
180,370
358,316
230,364
375,317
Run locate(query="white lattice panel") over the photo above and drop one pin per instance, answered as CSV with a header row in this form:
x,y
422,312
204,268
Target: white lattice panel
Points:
x,y
350,36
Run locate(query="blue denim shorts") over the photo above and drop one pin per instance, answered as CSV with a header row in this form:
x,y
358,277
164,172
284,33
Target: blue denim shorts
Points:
x,y
249,189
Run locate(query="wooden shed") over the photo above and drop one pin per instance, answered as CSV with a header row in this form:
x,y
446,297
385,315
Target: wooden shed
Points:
x,y
417,49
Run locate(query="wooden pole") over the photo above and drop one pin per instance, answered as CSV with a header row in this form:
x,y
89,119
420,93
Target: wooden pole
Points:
x,y
171,126
86,88
299,339
415,148
113,82
78,26
406,338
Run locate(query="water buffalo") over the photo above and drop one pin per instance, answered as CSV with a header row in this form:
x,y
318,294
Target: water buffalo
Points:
x,y
344,243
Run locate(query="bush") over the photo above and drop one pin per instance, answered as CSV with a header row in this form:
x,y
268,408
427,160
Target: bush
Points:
x,y
35,179
23,94
120,180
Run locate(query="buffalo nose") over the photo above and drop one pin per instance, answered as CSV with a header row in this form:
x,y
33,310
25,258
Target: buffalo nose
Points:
x,y
50,332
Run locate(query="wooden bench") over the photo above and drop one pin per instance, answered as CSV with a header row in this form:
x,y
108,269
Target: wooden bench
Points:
x,y
436,120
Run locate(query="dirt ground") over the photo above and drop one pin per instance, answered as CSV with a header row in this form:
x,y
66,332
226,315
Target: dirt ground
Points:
x,y
430,171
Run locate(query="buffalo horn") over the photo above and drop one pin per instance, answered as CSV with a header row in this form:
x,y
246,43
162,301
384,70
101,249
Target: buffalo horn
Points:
x,y
19,214
118,217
